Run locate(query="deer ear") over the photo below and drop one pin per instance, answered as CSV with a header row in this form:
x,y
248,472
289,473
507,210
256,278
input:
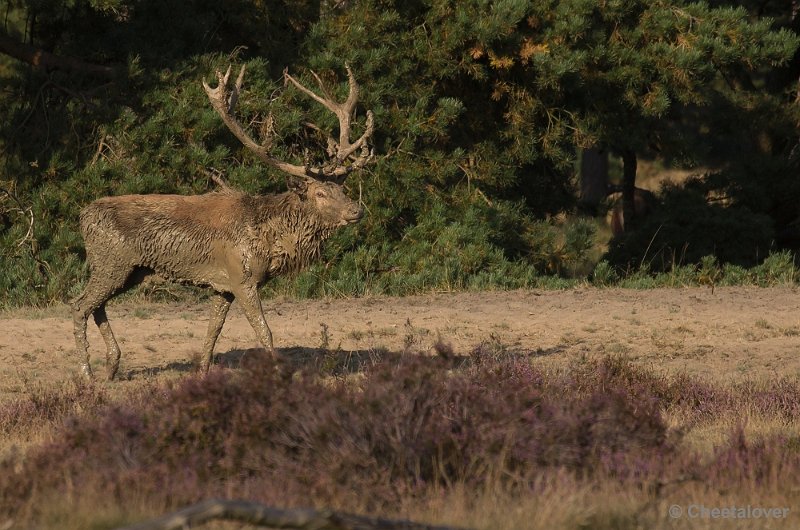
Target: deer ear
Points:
x,y
297,185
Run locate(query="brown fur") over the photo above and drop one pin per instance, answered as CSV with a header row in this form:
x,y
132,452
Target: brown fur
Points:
x,y
229,241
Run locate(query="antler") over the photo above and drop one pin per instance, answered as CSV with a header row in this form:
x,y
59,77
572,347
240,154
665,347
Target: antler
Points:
x,y
224,101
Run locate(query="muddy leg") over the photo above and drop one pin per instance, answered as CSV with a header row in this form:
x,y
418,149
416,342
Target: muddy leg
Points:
x,y
79,318
112,348
222,302
251,303
94,298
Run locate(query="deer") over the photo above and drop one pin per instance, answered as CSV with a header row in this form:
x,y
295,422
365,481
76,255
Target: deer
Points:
x,y
226,240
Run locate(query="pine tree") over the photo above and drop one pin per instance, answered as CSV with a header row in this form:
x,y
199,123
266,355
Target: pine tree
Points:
x,y
481,109
537,80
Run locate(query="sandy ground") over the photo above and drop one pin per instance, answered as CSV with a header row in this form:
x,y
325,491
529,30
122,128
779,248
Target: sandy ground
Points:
x,y
728,335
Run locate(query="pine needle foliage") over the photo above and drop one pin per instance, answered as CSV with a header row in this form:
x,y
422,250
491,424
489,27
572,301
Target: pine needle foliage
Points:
x,y
481,109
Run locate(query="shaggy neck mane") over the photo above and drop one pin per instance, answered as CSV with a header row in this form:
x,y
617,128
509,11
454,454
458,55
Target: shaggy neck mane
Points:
x,y
295,231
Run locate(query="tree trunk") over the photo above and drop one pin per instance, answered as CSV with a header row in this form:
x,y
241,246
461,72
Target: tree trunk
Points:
x,y
594,178
629,189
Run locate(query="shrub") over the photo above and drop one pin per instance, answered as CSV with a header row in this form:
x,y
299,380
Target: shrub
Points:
x,y
46,404
604,274
776,269
407,426
686,227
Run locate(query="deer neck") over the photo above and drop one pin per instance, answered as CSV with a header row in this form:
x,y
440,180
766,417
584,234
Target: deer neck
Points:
x,y
292,234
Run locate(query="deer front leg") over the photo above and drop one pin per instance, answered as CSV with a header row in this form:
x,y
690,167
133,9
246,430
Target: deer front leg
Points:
x,y
79,318
222,302
251,303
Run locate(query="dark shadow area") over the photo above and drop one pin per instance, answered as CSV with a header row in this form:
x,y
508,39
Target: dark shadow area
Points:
x,y
546,352
697,219
301,358
55,111
338,362
152,371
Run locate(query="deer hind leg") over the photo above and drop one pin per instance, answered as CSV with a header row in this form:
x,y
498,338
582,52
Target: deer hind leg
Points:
x,y
79,317
92,302
113,352
222,302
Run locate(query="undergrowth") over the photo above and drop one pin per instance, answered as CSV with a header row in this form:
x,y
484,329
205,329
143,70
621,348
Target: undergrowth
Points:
x,y
777,269
403,435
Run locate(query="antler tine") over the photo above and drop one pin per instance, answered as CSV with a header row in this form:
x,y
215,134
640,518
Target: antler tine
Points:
x,y
342,150
224,102
224,106
352,96
327,103
345,153
322,87
236,89
217,94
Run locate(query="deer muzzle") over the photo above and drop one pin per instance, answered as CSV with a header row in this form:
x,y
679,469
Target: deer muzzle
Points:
x,y
353,215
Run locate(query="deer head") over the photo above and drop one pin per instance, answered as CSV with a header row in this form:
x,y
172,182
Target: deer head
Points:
x,y
328,202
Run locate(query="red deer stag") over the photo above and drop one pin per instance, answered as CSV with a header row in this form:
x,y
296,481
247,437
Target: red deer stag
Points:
x,y
226,240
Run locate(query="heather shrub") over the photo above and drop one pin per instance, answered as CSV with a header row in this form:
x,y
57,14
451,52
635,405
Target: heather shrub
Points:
x,y
45,404
404,428
780,398
771,464
680,390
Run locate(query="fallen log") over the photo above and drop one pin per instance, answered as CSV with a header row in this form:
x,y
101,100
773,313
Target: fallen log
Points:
x,y
258,514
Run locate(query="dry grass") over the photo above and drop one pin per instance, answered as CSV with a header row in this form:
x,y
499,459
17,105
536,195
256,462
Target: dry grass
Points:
x,y
732,428
706,436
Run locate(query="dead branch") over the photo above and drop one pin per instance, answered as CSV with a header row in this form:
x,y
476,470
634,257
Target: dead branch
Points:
x,y
261,515
102,146
216,176
40,58
21,210
28,239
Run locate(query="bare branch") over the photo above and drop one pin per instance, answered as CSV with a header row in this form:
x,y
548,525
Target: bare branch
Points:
x,y
28,239
260,515
24,211
40,58
216,176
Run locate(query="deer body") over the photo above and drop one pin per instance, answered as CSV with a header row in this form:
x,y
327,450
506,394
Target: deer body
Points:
x,y
229,241
216,239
